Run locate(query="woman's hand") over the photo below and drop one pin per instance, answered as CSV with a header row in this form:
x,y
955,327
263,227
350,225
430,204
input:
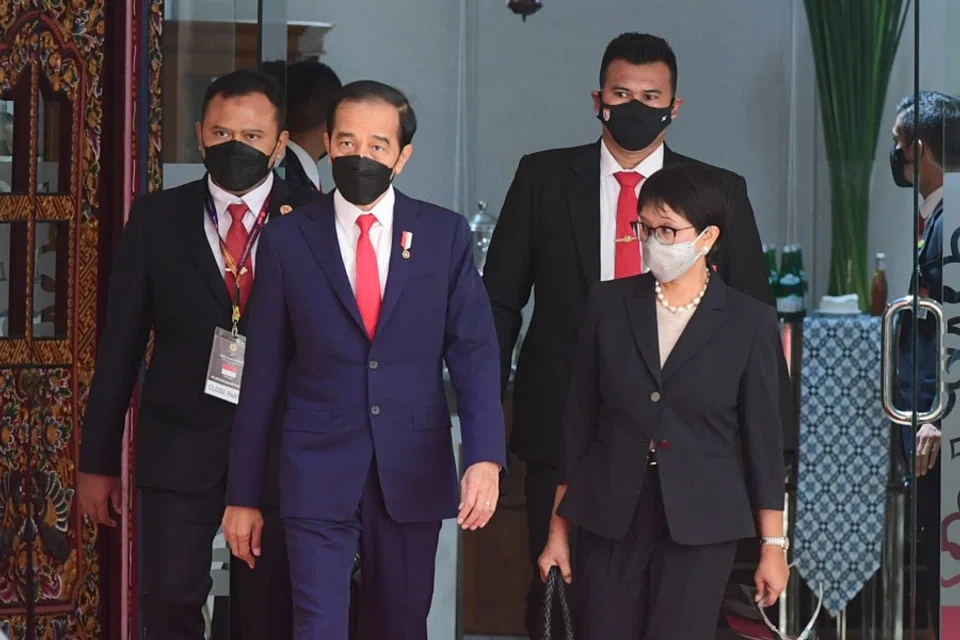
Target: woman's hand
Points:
x,y
556,554
771,576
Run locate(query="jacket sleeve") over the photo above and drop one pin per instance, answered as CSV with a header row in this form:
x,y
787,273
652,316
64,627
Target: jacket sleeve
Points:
x,y
759,413
129,319
744,268
268,351
508,272
583,394
471,354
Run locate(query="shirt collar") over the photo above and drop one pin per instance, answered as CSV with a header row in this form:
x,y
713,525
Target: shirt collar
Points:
x,y
253,199
930,203
309,164
647,167
347,212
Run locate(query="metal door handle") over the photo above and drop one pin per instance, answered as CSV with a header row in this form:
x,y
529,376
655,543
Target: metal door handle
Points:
x,y
888,362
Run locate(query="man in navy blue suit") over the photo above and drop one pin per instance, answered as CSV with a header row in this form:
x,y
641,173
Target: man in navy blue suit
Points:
x,y
361,300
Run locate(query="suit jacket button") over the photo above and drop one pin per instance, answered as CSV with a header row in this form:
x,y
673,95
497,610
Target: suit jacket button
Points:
x,y
655,396
374,364
664,445
375,410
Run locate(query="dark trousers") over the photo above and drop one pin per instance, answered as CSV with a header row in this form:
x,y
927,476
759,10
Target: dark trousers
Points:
x,y
928,552
398,571
540,490
645,586
176,543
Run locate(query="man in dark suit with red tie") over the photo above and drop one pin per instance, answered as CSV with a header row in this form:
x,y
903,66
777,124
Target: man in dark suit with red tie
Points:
x,y
310,87
566,224
363,297
184,270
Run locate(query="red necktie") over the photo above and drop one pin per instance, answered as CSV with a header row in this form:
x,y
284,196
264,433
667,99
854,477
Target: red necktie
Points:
x,y
314,187
627,256
236,242
368,276
921,223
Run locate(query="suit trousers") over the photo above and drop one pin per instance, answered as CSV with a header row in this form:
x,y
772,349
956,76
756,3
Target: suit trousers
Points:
x,y
928,551
176,548
645,586
398,563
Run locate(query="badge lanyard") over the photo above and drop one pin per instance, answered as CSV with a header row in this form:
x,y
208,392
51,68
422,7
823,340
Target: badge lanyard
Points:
x,y
234,266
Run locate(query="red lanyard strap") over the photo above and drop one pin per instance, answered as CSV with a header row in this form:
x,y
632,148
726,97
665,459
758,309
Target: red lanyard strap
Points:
x,y
234,266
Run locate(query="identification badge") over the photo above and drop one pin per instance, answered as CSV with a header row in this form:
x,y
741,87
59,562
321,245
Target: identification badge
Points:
x,y
225,370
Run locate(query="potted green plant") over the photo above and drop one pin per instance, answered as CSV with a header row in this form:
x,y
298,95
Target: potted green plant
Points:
x,y
854,46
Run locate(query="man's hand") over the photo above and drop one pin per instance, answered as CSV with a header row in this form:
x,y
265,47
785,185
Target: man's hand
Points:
x,y
479,491
96,494
928,448
242,529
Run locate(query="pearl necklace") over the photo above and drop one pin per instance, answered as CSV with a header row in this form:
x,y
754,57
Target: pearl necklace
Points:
x,y
687,307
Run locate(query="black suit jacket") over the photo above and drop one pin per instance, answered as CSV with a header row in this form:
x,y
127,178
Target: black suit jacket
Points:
x,y
548,240
165,278
294,173
714,400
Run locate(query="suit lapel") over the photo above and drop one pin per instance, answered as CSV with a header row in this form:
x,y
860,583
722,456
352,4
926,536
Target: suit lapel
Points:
x,y
320,231
201,253
642,311
405,212
703,326
583,200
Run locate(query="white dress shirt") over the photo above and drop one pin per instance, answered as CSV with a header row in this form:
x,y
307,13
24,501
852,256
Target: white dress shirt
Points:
x,y
609,194
308,163
381,235
930,203
221,200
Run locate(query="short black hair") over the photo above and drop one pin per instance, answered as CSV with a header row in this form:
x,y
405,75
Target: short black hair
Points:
x,y
936,124
695,191
311,86
370,91
639,48
245,82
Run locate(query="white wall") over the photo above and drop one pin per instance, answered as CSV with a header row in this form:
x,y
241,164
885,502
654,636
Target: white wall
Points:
x,y
746,75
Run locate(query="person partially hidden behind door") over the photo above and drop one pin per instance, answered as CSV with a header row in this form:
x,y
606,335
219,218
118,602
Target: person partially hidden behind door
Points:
x,y
925,142
175,273
674,381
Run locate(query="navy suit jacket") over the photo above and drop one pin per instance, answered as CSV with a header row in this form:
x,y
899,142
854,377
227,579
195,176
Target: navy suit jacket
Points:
x,y
349,400
930,271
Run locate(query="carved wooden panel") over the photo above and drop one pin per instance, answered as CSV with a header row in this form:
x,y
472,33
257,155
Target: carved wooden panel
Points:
x,y
51,62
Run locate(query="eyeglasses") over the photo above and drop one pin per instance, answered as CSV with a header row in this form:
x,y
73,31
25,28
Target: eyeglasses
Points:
x,y
664,235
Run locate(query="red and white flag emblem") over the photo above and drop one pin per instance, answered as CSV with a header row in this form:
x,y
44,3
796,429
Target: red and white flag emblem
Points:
x,y
229,371
406,240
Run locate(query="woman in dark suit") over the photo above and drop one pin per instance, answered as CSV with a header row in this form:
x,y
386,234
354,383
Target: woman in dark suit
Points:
x,y
673,446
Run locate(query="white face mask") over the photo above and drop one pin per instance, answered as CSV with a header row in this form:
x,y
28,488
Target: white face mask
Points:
x,y
669,262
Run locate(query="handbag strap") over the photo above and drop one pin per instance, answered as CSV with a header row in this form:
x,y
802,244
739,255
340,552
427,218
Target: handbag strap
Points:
x,y
555,595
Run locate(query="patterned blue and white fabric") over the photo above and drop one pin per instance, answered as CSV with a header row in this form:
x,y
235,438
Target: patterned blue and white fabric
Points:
x,y
844,449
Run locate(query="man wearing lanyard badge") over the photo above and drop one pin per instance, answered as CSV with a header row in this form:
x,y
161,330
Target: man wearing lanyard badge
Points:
x,y
184,269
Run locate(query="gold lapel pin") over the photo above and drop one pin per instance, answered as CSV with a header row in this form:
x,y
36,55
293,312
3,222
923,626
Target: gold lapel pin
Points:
x,y
285,209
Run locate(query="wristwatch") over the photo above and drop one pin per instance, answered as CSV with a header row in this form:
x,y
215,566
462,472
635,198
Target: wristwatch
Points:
x,y
776,541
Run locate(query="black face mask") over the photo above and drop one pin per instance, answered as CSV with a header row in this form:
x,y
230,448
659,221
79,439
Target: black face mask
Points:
x,y
236,166
898,167
361,180
634,125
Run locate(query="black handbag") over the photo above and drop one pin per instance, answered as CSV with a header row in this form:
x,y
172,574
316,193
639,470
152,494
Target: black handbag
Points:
x,y
557,623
